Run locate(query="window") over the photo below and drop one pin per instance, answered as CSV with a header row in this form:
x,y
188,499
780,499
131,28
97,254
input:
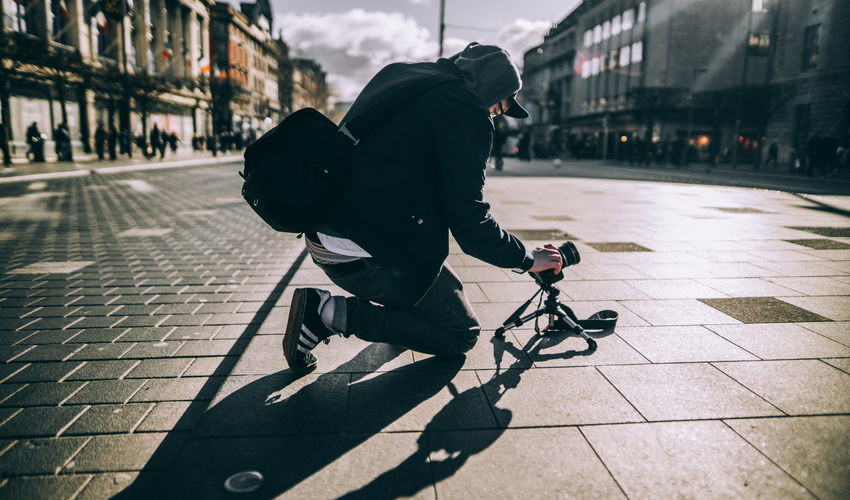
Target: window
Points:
x,y
628,19
585,69
641,12
594,66
625,53
597,34
603,63
606,30
616,26
614,58
588,38
15,19
637,52
759,6
812,45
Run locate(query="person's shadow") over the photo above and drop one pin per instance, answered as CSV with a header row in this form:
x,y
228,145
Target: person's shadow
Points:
x,y
290,428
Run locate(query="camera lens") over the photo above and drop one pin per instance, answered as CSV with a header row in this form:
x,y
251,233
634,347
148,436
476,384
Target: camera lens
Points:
x,y
569,257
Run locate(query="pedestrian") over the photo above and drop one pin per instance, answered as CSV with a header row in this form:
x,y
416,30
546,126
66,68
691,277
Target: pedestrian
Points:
x,y
62,138
4,145
124,142
391,225
773,154
112,142
173,140
163,143
100,141
524,146
156,139
813,147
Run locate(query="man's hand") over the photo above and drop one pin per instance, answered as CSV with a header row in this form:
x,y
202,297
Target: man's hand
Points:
x,y
546,257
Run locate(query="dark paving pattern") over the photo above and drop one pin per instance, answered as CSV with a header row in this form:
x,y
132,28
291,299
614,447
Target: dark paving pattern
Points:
x,y
124,301
618,247
762,310
541,234
829,232
733,210
821,244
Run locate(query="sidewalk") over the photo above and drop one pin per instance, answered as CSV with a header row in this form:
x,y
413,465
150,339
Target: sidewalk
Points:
x,y
150,365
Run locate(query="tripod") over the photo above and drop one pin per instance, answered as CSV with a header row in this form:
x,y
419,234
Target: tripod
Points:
x,y
566,320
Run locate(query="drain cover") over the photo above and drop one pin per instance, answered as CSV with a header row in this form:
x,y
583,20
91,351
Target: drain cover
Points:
x,y
244,482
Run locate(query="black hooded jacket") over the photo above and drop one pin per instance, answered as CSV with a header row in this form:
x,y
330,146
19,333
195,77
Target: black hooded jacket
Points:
x,y
419,175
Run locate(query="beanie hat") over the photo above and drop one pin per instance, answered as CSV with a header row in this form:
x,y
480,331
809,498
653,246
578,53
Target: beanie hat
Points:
x,y
492,75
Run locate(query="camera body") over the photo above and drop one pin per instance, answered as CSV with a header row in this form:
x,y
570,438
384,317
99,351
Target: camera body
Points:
x,y
569,257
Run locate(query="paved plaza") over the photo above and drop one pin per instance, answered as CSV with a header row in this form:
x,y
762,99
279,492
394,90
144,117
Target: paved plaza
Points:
x,y
142,316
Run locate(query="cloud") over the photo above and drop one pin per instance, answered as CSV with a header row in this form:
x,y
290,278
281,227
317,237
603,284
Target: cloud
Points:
x,y
520,35
352,46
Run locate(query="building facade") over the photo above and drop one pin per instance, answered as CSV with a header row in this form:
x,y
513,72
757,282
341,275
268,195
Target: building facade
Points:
x,y
712,74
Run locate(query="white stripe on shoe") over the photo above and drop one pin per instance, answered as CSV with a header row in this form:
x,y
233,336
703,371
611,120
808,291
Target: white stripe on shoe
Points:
x,y
309,334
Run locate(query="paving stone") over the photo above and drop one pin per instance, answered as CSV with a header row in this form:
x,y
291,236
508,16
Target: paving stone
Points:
x,y
39,487
49,353
677,312
124,452
683,344
50,337
541,234
799,387
101,351
102,370
98,335
736,270
39,421
472,465
747,287
762,310
567,349
194,333
173,416
9,389
672,289
141,334
617,247
106,485
813,450
42,394
685,392
829,232
10,338
7,353
697,460
279,404
781,341
41,372
197,348
144,350
160,368
106,391
838,331
108,419
813,286
183,389
216,365
39,456
606,272
834,308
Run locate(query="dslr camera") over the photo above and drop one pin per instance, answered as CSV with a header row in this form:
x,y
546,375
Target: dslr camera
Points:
x,y
569,257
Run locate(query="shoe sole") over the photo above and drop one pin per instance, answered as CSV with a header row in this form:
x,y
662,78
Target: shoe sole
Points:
x,y
293,330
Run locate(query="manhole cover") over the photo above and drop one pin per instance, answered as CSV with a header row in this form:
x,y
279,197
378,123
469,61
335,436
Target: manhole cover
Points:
x,y
550,235
618,247
244,482
829,232
821,244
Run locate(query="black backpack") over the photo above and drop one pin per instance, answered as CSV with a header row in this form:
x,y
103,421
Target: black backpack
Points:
x,y
293,170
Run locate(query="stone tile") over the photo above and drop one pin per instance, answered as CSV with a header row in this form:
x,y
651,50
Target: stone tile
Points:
x,y
146,334
48,353
99,335
784,255
821,244
540,234
610,272
43,421
747,287
834,308
800,269
482,274
194,332
508,292
737,270
126,452
102,370
106,391
106,485
42,394
681,344
39,456
567,349
144,350
617,247
837,331
159,368
492,315
842,364
182,389
695,460
673,271
677,312
800,387
197,348
7,390
543,397
762,310
781,341
490,352
813,286
173,416
813,450
41,372
279,404
108,419
101,351
473,293
209,366
55,487
473,464
685,392
51,337
675,289
829,232
603,290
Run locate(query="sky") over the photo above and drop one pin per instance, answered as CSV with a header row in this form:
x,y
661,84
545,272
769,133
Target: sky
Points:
x,y
353,39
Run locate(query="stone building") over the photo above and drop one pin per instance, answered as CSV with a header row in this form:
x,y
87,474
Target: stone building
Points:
x,y
712,73
243,51
164,37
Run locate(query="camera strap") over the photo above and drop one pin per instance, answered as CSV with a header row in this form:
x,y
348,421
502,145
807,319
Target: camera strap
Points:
x,y
602,320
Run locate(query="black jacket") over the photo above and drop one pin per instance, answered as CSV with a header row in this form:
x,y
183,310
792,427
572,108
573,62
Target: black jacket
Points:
x,y
418,175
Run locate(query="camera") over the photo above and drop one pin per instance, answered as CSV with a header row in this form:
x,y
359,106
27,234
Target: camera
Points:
x,y
569,257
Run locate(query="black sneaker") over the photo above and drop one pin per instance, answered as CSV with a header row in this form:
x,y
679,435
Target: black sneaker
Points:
x,y
305,329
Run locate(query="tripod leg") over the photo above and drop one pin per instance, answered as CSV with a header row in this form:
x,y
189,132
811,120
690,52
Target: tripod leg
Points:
x,y
518,322
562,315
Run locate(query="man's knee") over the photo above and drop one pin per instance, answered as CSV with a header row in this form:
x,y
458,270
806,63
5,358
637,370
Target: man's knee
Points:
x,y
468,339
